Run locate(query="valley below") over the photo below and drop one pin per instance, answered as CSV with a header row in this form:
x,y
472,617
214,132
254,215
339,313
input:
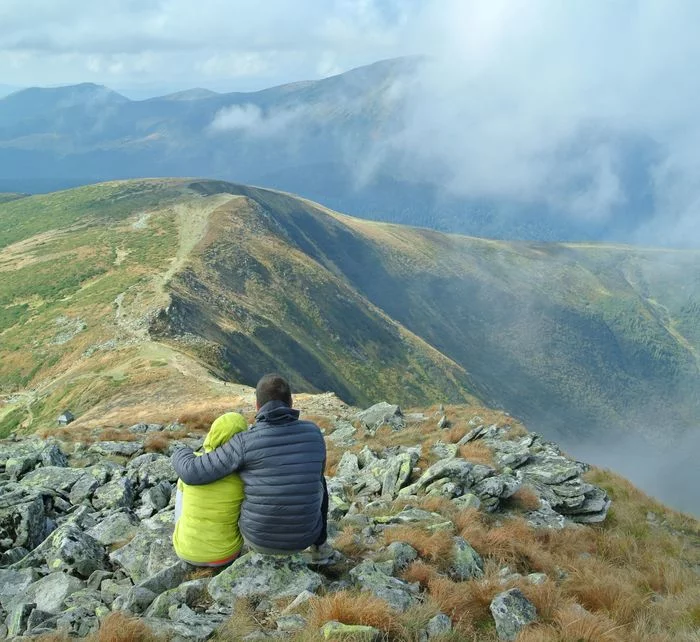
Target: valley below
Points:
x,y
150,299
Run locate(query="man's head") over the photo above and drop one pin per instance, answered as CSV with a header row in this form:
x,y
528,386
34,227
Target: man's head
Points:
x,y
272,387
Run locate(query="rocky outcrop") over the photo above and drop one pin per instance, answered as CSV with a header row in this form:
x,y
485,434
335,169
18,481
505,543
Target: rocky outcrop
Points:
x,y
80,541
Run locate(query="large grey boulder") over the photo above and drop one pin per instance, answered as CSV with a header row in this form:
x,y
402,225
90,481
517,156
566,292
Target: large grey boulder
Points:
x,y
116,448
17,618
13,582
115,528
70,549
118,493
375,578
23,521
50,592
512,612
269,576
151,469
456,470
54,477
145,555
188,593
381,414
83,489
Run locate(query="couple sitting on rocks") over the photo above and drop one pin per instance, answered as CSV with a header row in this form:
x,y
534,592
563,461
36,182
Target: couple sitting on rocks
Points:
x,y
264,486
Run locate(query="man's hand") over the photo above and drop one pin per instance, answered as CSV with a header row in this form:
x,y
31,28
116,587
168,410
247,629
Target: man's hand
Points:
x,y
211,467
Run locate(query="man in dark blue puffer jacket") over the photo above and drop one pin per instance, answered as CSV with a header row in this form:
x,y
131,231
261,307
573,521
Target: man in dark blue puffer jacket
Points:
x,y
281,460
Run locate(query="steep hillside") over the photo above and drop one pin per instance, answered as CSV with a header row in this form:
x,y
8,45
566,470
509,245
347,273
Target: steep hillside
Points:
x,y
111,278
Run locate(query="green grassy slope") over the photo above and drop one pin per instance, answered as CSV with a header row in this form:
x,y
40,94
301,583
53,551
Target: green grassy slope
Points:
x,y
6,197
576,338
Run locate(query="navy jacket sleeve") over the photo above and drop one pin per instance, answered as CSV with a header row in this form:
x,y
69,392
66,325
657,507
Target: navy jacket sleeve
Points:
x,y
212,466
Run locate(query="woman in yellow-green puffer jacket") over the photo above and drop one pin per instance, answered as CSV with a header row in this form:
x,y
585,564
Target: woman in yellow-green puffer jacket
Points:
x,y
206,527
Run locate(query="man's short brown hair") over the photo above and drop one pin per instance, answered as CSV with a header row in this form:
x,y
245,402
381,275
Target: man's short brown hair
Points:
x,y
273,387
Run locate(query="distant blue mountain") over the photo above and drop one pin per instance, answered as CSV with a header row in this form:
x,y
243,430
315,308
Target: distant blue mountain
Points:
x,y
309,138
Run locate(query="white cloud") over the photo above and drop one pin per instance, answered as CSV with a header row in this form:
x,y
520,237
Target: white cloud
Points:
x,y
251,120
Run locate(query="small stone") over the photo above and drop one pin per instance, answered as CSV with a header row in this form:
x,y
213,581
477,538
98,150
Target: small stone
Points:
x,y
466,562
402,554
438,625
338,631
537,578
290,623
300,599
467,501
95,580
512,612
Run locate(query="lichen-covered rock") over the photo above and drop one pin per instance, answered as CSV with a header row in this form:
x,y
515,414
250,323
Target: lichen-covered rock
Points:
x,y
117,448
145,555
344,434
401,554
369,576
115,528
83,489
256,575
50,592
118,493
13,582
189,593
23,521
381,414
136,600
150,469
54,477
17,618
456,470
74,551
511,611
466,562
199,630
438,625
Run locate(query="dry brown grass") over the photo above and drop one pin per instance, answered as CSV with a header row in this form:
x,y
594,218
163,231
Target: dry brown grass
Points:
x,y
525,498
116,627
420,572
157,442
350,543
117,434
435,547
477,452
356,608
243,622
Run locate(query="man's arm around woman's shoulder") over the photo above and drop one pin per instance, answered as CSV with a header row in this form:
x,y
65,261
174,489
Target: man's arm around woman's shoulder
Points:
x,y
212,466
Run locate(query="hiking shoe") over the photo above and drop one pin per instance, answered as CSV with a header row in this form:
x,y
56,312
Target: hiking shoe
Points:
x,y
322,553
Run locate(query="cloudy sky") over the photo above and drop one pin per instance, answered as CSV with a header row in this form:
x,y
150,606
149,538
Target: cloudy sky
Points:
x,y
148,46
511,85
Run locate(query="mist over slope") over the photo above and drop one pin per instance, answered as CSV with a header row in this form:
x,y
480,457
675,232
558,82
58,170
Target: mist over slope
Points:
x,y
358,142
119,288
